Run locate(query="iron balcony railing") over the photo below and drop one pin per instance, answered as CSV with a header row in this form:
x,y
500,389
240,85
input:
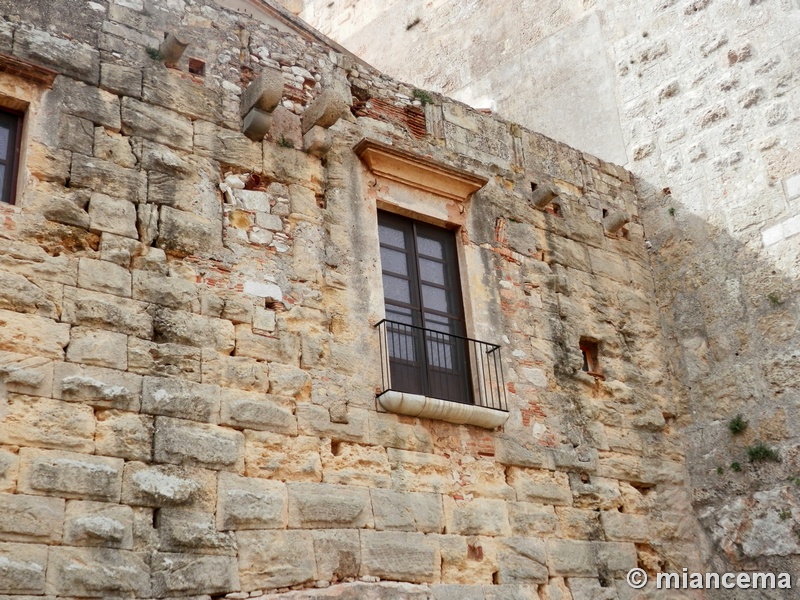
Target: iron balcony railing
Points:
x,y
441,365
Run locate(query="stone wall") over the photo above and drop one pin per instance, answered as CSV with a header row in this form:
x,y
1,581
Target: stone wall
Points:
x,y
188,363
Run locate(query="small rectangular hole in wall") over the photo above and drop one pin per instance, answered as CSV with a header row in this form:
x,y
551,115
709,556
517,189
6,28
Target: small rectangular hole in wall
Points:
x,y
591,357
533,186
197,67
605,213
554,208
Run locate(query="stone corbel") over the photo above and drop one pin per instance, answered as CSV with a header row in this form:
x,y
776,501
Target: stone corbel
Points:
x,y
543,195
172,47
615,221
258,101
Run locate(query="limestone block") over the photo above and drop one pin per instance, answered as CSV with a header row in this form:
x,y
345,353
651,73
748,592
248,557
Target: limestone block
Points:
x,y
181,327
263,321
147,217
354,464
96,386
485,479
185,442
48,164
451,591
591,589
103,276
120,250
570,558
609,264
264,92
578,524
98,524
69,475
176,575
59,205
466,563
28,375
275,559
98,347
597,493
618,557
399,556
256,124
531,520
233,306
182,233
293,166
235,371
622,527
480,516
32,261
226,146
89,102
567,253
253,200
264,412
45,423
184,96
121,80
70,57
174,360
169,485
420,472
124,434
522,560
540,486
325,110
327,506
156,124
283,349
313,419
104,311
269,222
109,179
112,215
274,456
20,295
156,157
173,397
407,511
9,468
317,141
191,531
337,553
76,135
97,573
31,519
248,503
33,335
114,147
386,430
289,380
23,567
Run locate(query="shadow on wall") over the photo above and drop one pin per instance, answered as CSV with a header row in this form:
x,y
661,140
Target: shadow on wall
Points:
x,y
730,324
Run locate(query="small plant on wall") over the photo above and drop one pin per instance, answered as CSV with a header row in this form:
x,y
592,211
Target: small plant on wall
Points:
x,y
762,453
737,425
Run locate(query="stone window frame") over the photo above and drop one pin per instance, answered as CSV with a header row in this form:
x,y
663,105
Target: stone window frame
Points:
x,y
12,120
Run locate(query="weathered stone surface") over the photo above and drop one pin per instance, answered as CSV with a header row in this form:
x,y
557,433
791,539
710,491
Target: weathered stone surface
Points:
x,y
96,386
97,573
195,100
172,292
325,110
181,327
174,360
27,374
399,556
177,398
540,486
236,372
98,524
275,456
124,434
481,516
110,180
112,215
69,475
226,146
183,574
407,511
33,335
313,419
89,103
69,57
263,93
337,553
178,441
169,485
354,464
263,412
23,567
326,506
104,311
156,124
45,423
248,503
292,166
625,528
511,451
9,467
103,276
30,519
530,519
522,560
48,164
181,530
182,233
125,81
20,295
273,559
98,347
387,430
420,472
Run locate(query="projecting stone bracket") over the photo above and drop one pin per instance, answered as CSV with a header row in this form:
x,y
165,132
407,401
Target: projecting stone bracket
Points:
x,y
325,110
543,195
258,101
173,47
615,221
415,405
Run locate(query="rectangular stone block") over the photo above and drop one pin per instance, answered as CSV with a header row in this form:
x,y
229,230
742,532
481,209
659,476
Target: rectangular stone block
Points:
x,y
274,456
173,292
104,311
407,511
191,574
480,516
185,442
180,327
98,347
327,506
124,434
522,560
169,485
275,559
293,166
530,519
510,451
45,423
9,469
124,81
112,215
544,487
240,372
20,295
337,553
285,348
399,556
32,335
190,531
69,475
23,568
98,524
172,397
578,524
264,412
97,573
98,387
89,102
621,527
70,57
173,360
226,146
29,375
386,430
248,503
112,179
313,419
184,96
182,233
157,124
31,519
354,464
420,472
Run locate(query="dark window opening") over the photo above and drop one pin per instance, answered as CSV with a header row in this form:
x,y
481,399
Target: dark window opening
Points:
x,y
605,213
533,186
10,128
591,361
197,67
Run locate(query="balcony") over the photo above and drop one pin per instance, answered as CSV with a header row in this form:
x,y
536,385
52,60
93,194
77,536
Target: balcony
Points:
x,y
438,375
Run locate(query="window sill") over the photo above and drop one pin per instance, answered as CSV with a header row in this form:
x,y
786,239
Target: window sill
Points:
x,y
415,405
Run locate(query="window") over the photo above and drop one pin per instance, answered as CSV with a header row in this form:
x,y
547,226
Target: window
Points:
x,y
591,361
9,154
428,350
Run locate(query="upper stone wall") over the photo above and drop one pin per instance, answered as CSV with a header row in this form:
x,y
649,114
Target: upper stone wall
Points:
x,y
188,358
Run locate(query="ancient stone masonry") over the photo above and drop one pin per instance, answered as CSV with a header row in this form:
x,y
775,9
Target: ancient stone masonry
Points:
x,y
188,357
